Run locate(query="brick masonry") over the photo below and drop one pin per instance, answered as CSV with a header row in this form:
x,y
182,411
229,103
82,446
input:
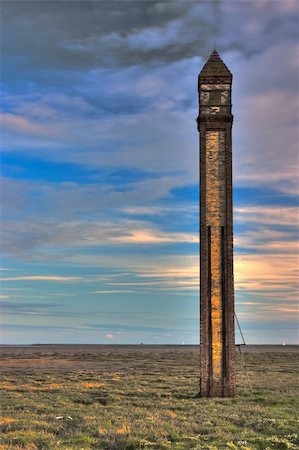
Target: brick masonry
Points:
x,y
217,340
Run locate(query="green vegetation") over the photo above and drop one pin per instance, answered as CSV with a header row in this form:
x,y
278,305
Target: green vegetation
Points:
x,y
150,406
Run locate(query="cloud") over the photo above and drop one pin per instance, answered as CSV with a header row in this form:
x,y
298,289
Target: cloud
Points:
x,y
264,272
69,199
20,124
113,34
126,141
45,310
12,307
120,291
114,329
90,214
151,41
129,133
153,237
267,245
41,278
109,336
265,108
32,328
95,33
66,235
172,284
111,117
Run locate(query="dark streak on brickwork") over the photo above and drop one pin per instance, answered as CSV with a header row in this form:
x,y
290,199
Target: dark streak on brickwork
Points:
x,y
217,338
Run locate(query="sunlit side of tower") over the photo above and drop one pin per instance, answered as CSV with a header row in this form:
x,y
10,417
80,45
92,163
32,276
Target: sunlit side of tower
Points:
x,y
217,336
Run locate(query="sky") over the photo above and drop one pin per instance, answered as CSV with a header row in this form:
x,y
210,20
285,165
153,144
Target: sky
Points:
x,y
100,168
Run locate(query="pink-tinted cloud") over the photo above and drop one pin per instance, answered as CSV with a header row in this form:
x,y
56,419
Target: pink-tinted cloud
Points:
x,y
109,336
19,124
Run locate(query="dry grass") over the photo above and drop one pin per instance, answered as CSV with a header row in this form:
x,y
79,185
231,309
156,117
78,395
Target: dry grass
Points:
x,y
150,404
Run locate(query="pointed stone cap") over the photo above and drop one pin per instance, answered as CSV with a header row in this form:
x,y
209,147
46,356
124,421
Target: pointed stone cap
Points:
x,y
215,68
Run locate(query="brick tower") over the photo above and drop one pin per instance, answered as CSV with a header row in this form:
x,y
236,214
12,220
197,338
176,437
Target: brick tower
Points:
x,y
217,336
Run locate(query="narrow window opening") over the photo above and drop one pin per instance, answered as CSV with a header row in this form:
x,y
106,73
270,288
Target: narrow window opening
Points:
x,y
215,98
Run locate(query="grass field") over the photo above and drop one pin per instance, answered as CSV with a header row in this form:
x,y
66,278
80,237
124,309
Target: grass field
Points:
x,y
112,397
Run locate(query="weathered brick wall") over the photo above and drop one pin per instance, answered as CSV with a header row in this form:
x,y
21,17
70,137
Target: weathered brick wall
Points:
x,y
215,219
215,178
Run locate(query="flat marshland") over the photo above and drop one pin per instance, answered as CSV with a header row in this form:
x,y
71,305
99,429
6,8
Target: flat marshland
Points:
x,y
143,397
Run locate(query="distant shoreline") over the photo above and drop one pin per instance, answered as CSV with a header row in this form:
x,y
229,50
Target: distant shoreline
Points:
x,y
140,345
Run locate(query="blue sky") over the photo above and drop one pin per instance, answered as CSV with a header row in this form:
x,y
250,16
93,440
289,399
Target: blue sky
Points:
x,y
100,168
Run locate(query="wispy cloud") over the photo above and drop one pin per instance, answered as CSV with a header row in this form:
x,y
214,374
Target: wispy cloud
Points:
x,y
21,124
148,236
41,278
30,308
268,215
119,291
266,272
